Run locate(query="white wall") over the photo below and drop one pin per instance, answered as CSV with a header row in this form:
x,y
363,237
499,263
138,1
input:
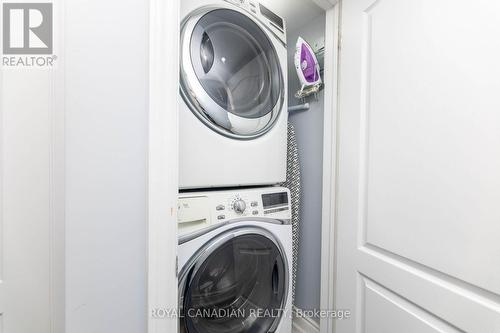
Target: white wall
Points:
x,y
106,132
309,129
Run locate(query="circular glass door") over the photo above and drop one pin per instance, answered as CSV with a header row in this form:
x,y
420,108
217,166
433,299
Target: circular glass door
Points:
x,y
230,74
238,285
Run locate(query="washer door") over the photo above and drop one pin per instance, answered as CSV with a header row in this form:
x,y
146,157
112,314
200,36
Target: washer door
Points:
x,y
230,73
237,284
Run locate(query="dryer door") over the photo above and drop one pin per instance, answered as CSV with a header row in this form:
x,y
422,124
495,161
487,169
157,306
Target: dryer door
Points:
x,y
230,72
238,283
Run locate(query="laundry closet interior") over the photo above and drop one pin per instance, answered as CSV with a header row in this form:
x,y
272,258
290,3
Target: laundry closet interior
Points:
x,y
255,102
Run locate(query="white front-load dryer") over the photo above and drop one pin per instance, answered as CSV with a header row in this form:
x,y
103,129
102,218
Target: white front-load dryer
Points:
x,y
235,259
233,83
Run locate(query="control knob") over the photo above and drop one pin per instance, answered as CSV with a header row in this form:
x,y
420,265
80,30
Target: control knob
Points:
x,y
239,206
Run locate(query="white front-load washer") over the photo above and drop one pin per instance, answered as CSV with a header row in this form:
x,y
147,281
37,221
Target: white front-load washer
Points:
x,y
233,83
235,259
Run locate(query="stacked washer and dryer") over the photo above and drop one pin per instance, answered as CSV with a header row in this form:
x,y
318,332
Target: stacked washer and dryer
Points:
x,y
235,234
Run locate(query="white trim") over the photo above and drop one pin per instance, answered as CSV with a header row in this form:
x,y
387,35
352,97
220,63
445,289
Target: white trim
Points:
x,y
163,164
163,161
304,324
327,301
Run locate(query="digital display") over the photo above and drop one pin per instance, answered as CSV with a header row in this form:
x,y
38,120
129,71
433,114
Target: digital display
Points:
x,y
272,17
274,199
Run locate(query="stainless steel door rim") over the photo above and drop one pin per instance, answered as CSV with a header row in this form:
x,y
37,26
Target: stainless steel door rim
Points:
x,y
191,269
231,76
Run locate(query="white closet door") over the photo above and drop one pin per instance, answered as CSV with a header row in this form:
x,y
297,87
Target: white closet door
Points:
x,y
32,195
31,275
419,166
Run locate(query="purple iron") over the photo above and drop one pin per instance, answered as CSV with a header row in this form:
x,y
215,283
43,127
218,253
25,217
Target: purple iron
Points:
x,y
308,69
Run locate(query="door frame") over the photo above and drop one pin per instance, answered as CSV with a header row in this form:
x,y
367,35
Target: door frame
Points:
x,y
164,30
328,220
162,164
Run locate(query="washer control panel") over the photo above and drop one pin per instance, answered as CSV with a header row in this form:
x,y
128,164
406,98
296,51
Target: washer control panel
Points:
x,y
200,210
239,206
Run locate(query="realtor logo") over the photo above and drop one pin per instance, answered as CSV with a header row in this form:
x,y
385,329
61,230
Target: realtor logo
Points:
x,y
27,28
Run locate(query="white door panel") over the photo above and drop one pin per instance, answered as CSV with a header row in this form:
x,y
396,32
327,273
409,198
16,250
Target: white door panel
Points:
x,y
31,202
25,243
419,161
387,312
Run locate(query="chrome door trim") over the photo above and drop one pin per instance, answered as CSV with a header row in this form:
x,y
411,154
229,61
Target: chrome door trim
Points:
x,y
196,260
195,96
195,234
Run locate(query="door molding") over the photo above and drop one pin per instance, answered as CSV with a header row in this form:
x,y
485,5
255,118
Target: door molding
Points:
x,y
328,224
163,162
163,151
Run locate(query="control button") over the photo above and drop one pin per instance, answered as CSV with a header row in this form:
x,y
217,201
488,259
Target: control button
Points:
x,y
254,204
220,207
221,217
255,212
239,206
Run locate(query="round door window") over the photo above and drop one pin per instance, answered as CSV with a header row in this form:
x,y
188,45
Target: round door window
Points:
x,y
230,75
240,287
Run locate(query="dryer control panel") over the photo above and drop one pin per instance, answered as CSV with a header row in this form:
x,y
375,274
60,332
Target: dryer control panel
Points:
x,y
200,210
265,15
